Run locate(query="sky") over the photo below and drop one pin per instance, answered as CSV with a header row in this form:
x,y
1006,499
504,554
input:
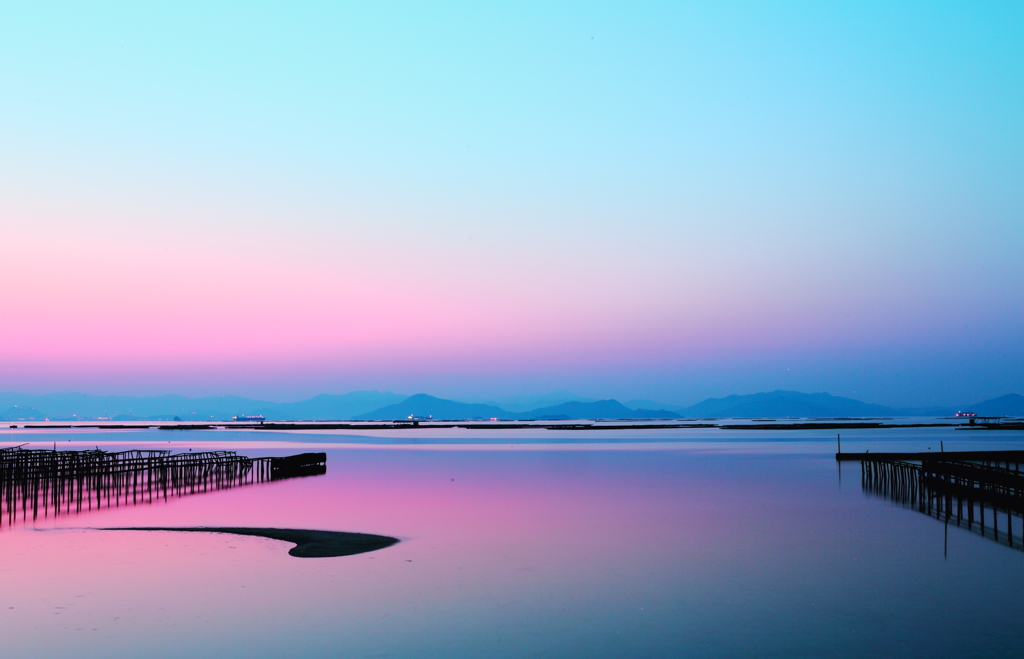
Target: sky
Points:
x,y
663,200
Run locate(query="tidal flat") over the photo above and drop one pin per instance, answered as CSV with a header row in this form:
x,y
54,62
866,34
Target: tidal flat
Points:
x,y
642,544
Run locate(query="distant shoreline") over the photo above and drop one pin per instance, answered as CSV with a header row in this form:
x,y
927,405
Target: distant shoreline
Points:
x,y
580,424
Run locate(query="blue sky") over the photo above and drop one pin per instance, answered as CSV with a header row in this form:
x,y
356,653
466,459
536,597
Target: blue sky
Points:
x,y
667,200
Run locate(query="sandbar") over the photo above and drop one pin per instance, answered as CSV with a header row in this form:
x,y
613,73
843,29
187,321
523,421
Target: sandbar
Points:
x,y
308,543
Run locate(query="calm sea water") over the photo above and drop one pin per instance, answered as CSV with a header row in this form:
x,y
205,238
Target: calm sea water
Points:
x,y
539,544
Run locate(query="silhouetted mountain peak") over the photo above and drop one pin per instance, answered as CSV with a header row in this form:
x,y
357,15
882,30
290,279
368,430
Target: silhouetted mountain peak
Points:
x,y
1008,405
599,409
425,405
781,403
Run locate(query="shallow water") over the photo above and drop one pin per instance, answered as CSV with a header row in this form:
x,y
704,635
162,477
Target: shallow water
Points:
x,y
636,545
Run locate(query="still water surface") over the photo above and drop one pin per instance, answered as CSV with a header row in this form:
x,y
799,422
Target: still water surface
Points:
x,y
543,546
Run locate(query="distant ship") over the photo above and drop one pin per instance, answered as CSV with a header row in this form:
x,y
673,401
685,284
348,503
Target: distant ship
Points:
x,y
966,414
244,417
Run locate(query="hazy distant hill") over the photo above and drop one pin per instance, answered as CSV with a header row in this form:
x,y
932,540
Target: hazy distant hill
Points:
x,y
423,405
925,411
330,407
516,404
601,409
647,404
85,406
18,413
1008,405
784,404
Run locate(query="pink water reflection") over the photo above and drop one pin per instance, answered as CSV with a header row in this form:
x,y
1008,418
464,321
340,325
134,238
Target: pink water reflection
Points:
x,y
504,553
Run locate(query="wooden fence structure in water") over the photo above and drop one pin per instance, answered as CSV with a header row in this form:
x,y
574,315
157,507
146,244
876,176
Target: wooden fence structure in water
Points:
x,y
37,482
985,497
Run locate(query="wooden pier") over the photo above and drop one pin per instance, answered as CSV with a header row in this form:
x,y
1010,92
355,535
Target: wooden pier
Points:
x,y
37,482
984,495
979,456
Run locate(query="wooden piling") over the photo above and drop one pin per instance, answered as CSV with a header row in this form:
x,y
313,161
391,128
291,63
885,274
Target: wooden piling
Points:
x,y
43,482
957,492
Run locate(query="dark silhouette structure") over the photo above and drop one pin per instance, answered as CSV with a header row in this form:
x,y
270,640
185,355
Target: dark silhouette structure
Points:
x,y
37,482
308,543
985,496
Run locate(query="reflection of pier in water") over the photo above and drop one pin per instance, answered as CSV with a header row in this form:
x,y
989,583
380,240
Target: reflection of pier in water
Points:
x,y
984,496
42,482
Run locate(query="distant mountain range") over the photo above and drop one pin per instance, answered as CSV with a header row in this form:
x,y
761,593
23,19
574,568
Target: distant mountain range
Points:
x,y
773,404
422,405
1008,405
375,405
533,402
785,404
598,409
165,408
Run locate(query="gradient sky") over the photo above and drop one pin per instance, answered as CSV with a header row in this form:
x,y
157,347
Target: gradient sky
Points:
x,y
663,200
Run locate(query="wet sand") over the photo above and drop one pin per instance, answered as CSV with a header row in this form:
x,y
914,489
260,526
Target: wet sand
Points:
x,y
308,543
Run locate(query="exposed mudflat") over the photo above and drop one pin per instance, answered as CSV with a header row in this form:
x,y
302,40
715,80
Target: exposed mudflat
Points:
x,y
308,543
